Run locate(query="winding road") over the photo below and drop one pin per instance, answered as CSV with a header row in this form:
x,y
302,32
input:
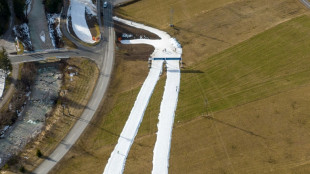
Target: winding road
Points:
x,y
102,54
306,3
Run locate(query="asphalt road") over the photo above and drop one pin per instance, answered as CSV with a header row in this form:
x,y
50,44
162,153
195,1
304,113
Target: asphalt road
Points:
x,y
306,3
102,54
38,25
104,57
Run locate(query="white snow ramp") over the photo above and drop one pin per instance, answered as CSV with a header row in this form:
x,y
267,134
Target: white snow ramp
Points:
x,y
118,157
79,25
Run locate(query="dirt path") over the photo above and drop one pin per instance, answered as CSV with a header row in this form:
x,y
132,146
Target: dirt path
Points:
x,y
38,26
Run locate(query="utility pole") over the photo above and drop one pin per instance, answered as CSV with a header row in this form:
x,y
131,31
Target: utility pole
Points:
x,y
206,105
171,17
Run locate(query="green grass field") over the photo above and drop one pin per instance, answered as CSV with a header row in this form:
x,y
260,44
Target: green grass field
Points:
x,y
158,13
269,63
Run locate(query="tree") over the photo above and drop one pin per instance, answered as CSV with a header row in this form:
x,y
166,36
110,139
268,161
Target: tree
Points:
x,y
22,169
5,63
39,153
19,7
53,6
4,15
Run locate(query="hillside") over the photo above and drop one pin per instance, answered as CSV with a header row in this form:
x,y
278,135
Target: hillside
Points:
x,y
243,95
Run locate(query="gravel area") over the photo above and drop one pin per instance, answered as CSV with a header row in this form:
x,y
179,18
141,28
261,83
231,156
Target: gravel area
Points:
x,y
40,102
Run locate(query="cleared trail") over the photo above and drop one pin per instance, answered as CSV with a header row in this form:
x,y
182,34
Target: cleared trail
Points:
x,y
118,157
165,48
166,118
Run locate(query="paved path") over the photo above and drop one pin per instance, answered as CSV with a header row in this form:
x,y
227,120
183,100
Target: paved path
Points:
x,y
38,26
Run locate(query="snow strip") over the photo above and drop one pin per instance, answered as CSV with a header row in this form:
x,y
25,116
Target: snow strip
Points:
x,y
166,47
166,118
118,157
79,25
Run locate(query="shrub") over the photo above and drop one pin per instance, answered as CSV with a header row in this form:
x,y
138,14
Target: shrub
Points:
x,y
53,6
39,153
22,169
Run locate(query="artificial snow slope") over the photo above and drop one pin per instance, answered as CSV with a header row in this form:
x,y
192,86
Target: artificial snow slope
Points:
x,y
118,157
166,47
77,12
166,118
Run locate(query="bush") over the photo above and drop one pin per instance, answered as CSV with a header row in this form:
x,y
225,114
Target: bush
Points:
x,y
22,169
6,167
39,153
4,15
53,6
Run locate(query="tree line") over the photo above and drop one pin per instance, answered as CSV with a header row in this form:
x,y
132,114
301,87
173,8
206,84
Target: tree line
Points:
x,y
4,15
5,63
19,7
53,6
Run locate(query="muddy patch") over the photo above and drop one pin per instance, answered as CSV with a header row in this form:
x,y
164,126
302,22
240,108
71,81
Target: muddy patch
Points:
x,y
133,52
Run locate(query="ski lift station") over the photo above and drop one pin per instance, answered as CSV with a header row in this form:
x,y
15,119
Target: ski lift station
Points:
x,y
165,59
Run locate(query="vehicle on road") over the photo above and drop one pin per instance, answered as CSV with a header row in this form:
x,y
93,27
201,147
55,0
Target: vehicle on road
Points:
x,y
105,4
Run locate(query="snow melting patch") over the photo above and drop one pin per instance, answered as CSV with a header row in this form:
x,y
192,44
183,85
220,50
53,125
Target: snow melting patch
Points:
x,y
78,20
22,33
42,36
28,7
125,35
31,122
52,20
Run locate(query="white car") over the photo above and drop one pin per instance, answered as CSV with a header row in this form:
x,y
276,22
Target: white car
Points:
x,y
105,4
